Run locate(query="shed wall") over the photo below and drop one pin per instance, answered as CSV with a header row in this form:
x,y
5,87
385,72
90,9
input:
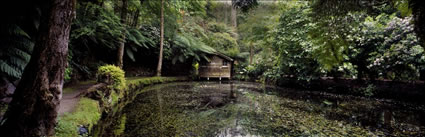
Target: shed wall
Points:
x,y
215,68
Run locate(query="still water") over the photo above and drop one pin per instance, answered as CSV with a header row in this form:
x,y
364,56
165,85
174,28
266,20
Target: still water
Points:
x,y
254,110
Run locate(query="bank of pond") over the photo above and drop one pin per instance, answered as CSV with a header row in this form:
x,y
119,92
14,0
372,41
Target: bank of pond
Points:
x,y
233,108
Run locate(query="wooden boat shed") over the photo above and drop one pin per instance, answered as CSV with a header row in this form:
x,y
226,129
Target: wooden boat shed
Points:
x,y
219,66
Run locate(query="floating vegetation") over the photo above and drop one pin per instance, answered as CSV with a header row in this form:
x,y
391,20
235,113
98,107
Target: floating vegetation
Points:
x,y
250,109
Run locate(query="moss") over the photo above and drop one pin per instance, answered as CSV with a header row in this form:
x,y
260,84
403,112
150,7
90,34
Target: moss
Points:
x,y
114,124
121,126
3,108
87,113
111,74
115,97
143,81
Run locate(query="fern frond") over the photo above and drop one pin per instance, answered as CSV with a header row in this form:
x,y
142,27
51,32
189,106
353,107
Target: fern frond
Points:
x,y
17,31
17,62
19,53
9,70
130,54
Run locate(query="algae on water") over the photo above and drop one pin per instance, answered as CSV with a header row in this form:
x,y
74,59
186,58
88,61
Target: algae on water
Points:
x,y
250,109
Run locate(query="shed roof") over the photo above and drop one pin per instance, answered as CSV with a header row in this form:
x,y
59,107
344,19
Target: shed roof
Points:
x,y
223,56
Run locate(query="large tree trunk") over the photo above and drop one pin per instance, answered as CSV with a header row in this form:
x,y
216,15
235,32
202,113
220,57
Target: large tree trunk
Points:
x,y
161,44
33,110
121,47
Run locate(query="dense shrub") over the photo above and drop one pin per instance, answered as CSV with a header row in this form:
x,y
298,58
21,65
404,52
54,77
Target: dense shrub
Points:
x,y
111,75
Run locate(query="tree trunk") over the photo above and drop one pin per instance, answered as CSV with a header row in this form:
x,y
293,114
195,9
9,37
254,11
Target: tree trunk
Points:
x,y
161,44
33,110
234,17
120,55
121,47
251,53
418,11
136,18
226,14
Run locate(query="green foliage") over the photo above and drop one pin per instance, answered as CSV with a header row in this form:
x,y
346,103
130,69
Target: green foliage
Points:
x,y
86,113
387,47
15,51
260,33
96,25
98,30
335,8
144,81
256,70
369,90
137,40
174,10
95,31
329,37
400,55
272,75
296,53
403,7
376,43
68,73
187,46
365,37
244,5
113,75
194,40
222,38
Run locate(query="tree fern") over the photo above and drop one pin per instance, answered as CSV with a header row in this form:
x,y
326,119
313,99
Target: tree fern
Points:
x,y
96,25
137,39
9,70
187,46
15,53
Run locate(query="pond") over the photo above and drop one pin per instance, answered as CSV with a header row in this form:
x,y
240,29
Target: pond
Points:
x,y
226,109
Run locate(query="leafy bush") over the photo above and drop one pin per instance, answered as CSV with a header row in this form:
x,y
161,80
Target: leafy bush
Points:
x,y
400,56
368,91
272,75
295,48
256,70
112,75
222,38
68,73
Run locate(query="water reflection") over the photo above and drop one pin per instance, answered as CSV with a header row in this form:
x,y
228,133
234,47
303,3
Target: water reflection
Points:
x,y
248,109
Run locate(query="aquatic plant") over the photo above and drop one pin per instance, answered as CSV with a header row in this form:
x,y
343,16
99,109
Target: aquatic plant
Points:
x,y
184,109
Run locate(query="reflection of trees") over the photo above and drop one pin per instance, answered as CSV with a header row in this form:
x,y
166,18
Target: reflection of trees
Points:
x,y
160,105
232,92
